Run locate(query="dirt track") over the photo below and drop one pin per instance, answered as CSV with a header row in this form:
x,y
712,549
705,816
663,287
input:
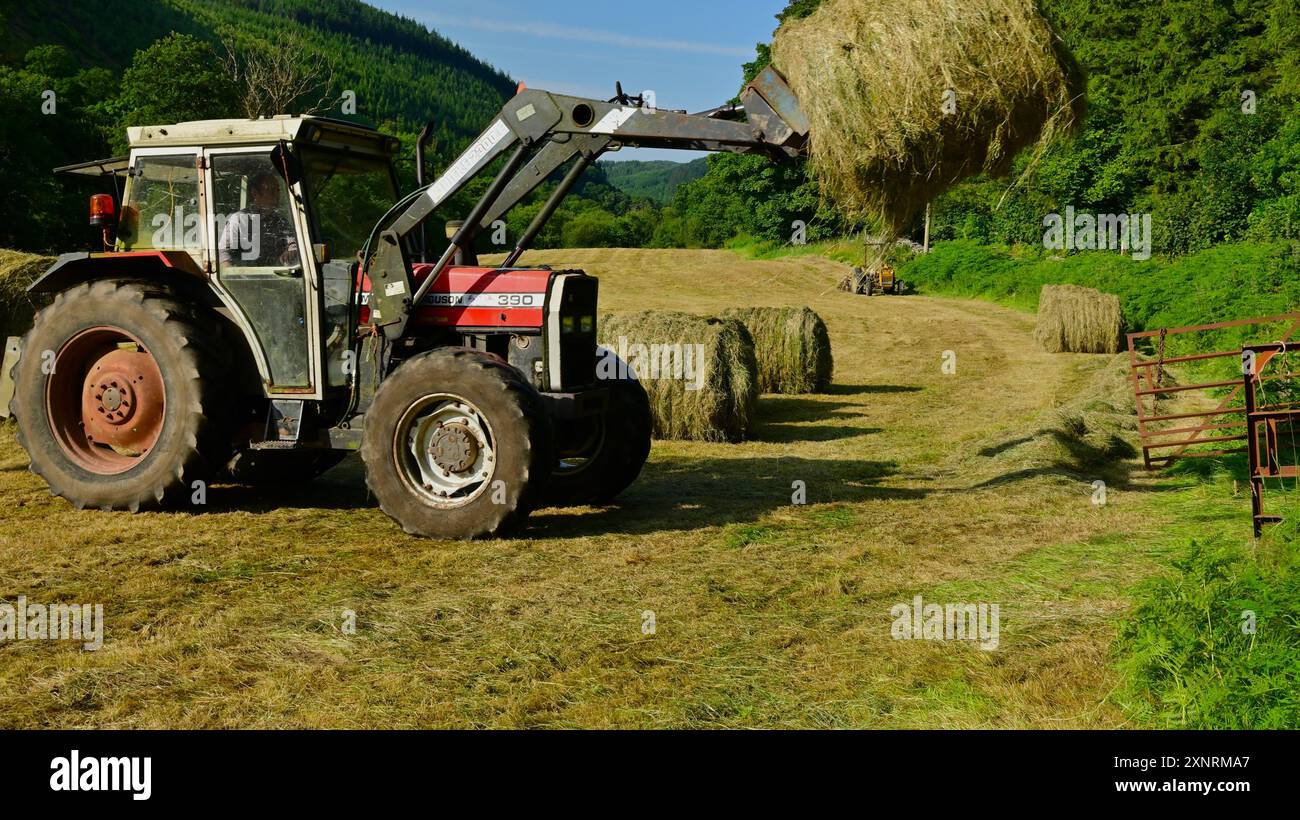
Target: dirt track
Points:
x,y
766,613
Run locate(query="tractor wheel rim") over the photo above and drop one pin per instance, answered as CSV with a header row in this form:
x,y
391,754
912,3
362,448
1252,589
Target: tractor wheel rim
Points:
x,y
445,450
572,462
105,400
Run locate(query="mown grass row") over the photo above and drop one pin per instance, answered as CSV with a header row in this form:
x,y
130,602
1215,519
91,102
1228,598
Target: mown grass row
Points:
x,y
1213,642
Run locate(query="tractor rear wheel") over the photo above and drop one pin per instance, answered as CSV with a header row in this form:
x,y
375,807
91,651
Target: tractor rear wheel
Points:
x,y
456,445
118,397
600,458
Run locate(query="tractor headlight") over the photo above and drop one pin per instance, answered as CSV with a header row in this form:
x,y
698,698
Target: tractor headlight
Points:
x,y
570,338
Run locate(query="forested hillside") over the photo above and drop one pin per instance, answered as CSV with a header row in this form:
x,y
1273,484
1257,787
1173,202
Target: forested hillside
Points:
x,y
114,62
401,72
1194,118
657,180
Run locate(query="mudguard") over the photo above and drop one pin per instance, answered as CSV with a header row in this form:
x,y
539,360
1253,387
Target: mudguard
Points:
x,y
74,268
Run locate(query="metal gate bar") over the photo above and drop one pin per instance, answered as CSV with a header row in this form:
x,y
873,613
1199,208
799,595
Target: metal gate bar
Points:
x,y
1146,377
1264,462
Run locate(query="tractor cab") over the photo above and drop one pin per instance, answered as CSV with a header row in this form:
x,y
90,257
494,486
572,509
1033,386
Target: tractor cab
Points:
x,y
262,207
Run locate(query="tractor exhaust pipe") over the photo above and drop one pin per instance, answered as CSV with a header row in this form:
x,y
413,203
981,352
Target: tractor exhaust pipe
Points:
x,y
426,133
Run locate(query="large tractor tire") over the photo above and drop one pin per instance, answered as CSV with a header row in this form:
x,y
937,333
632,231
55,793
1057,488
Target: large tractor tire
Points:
x,y
600,458
118,396
279,467
457,445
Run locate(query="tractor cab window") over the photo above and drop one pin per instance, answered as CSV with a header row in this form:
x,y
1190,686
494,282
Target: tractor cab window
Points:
x,y
252,214
348,195
162,206
260,259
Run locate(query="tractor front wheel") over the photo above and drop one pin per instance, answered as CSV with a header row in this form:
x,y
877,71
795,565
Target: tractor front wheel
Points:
x,y
456,445
117,396
600,458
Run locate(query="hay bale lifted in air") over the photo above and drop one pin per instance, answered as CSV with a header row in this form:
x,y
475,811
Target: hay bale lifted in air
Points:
x,y
699,372
17,271
908,97
1072,319
792,347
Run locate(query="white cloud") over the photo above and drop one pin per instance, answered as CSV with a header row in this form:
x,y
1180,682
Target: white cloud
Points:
x,y
588,35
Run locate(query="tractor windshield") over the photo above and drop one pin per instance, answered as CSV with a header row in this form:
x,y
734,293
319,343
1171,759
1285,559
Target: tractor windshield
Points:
x,y
348,195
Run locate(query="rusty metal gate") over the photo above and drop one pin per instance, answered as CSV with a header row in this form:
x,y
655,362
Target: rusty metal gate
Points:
x,y
1244,415
1166,437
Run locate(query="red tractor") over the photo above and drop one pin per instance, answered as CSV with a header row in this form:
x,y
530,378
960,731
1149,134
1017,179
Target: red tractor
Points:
x,y
262,308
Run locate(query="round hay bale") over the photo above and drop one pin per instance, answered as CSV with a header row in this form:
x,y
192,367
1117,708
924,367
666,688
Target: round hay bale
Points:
x,y
17,307
907,98
792,346
1072,319
699,372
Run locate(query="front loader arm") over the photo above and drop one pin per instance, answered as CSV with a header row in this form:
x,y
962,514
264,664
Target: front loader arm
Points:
x,y
547,130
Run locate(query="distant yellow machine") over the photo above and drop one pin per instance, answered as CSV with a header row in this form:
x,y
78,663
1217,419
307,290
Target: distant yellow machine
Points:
x,y
879,279
883,280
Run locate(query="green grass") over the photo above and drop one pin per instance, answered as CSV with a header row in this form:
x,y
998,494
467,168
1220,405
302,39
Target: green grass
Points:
x,y
848,251
1183,657
964,487
1185,654
1228,282
769,613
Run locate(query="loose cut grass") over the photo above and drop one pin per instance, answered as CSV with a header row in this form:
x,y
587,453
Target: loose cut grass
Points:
x,y
1072,319
907,98
792,347
770,614
704,393
17,271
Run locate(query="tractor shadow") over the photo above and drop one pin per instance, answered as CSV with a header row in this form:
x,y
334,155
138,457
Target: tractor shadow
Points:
x,y
679,493
670,495
691,493
685,493
341,488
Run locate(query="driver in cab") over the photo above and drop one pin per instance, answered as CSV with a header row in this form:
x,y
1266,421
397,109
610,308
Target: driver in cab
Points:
x,y
261,234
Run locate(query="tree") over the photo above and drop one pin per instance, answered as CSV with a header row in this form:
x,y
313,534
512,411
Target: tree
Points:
x,y
177,79
284,77
46,125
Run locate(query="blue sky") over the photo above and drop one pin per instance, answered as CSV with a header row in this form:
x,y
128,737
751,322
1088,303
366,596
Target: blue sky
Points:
x,y
688,51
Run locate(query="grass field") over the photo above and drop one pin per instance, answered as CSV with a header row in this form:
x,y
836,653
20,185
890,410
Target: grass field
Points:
x,y
957,487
